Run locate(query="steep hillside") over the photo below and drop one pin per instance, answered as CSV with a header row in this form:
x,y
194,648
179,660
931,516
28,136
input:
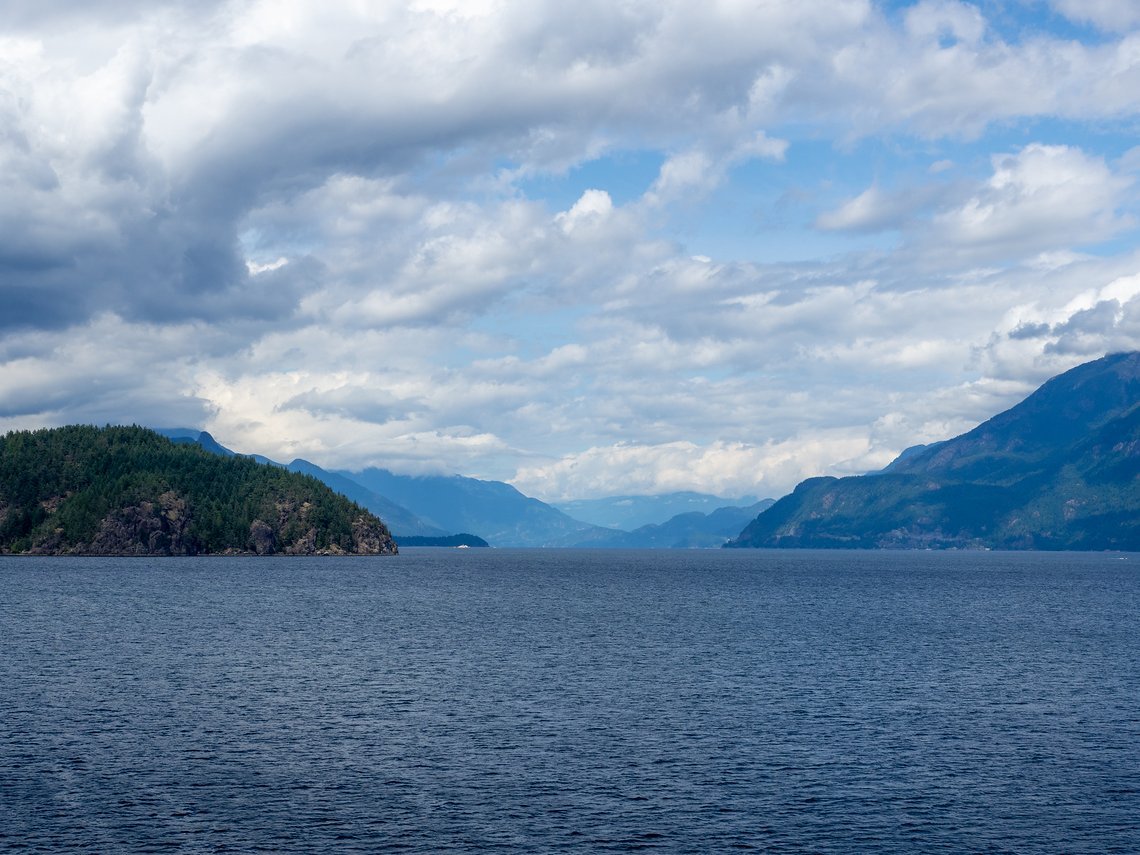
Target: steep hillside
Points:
x,y
1061,470
130,491
1041,432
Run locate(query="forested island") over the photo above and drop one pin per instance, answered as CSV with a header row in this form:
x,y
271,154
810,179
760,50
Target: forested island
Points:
x,y
83,490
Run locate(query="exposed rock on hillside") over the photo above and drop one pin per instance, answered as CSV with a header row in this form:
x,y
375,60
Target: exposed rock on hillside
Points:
x,y
128,491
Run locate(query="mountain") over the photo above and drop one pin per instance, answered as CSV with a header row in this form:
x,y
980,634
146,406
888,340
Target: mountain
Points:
x,y
631,512
495,511
397,518
684,531
192,436
435,506
130,491
1061,470
907,455
453,541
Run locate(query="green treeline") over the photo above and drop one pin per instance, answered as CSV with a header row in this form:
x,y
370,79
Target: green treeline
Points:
x,y
128,490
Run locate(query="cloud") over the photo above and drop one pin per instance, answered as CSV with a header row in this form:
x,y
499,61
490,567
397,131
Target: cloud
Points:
x,y
145,160
719,468
592,209
1038,198
111,371
192,119
1109,15
876,210
940,21
697,171
537,242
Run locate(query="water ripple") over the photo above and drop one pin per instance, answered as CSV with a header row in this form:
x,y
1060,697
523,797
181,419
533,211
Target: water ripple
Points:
x,y
572,701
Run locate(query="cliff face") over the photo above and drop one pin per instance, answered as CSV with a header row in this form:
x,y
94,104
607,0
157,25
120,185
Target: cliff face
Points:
x,y
128,491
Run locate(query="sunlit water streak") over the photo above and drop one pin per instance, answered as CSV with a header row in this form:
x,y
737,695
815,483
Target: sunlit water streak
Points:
x,y
484,700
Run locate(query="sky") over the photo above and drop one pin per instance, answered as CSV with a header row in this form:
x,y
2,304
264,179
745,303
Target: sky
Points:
x,y
610,247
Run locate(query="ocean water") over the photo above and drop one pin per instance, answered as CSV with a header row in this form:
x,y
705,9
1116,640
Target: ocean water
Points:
x,y
538,701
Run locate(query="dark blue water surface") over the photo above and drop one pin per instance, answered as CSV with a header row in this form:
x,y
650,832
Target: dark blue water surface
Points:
x,y
481,700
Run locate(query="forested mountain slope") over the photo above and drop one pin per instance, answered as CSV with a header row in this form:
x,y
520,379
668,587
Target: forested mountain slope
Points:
x,y
130,491
1061,470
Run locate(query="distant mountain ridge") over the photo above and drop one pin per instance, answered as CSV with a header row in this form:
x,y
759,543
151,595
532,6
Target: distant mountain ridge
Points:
x,y
494,510
1060,470
692,530
399,519
631,512
436,506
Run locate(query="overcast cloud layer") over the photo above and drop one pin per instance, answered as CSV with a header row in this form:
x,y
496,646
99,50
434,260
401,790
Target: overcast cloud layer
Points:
x,y
590,249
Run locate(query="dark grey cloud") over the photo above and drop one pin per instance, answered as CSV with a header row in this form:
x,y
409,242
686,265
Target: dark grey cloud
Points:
x,y
1024,331
37,301
150,270
1099,319
1087,330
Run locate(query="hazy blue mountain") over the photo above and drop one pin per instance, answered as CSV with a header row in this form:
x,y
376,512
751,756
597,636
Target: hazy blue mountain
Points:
x,y
495,511
1061,470
399,519
451,541
434,506
632,512
690,530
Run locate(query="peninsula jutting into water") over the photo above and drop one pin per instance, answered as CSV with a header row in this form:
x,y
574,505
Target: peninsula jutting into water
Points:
x,y
129,491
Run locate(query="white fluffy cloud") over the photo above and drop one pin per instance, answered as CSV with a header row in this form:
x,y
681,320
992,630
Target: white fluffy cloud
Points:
x,y
719,467
1035,200
1040,198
